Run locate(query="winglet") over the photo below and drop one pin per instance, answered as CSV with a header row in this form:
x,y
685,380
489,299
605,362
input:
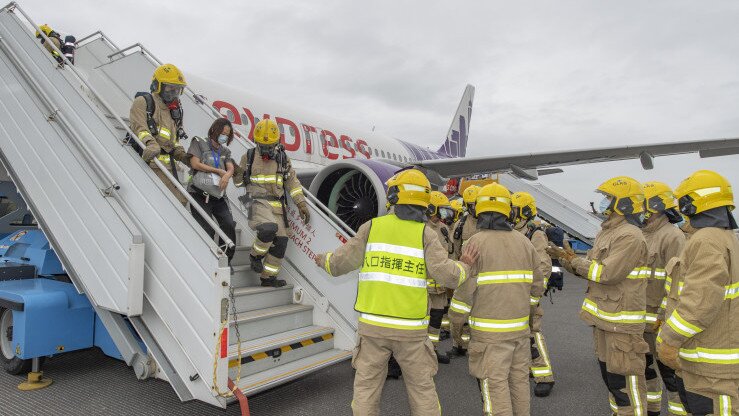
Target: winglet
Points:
x,y
456,139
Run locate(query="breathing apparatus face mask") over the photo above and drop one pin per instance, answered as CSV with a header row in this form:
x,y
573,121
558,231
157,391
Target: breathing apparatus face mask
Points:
x,y
446,215
267,150
604,204
170,92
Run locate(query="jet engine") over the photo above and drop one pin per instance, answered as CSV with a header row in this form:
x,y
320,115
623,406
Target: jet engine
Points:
x,y
354,189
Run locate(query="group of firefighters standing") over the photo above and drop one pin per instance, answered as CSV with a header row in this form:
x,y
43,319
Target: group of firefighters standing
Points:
x,y
663,310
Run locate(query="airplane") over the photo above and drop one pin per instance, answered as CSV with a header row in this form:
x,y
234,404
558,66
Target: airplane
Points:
x,y
346,168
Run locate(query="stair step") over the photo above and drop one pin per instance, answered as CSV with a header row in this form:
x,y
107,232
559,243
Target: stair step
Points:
x,y
279,349
241,256
252,298
269,321
244,276
278,375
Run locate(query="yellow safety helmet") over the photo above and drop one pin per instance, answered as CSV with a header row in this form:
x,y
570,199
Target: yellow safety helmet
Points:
x,y
493,198
626,193
658,196
409,187
524,206
469,196
458,207
704,190
44,28
436,201
266,132
168,74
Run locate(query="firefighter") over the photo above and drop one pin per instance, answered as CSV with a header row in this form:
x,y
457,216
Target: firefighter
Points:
x,y
440,213
522,216
54,37
269,178
458,207
615,303
700,337
498,300
156,118
396,253
464,228
664,241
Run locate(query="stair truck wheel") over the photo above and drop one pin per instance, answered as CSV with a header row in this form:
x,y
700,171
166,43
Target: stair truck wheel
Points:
x,y
11,363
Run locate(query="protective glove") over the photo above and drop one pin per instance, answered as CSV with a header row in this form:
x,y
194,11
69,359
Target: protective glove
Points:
x,y
180,155
656,325
151,150
560,253
304,212
668,355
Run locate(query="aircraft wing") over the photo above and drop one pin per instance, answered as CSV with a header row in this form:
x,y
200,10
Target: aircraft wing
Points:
x,y
529,165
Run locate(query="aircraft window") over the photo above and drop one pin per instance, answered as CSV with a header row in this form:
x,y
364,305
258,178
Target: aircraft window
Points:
x,y
383,154
282,128
292,131
377,154
395,157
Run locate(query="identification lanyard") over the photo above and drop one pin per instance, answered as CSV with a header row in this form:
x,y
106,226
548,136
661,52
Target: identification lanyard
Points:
x,y
216,161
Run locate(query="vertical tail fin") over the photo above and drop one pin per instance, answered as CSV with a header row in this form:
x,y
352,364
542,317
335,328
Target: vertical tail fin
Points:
x,y
456,139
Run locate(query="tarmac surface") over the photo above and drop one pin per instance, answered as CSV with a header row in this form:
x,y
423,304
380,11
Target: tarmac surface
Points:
x,y
90,383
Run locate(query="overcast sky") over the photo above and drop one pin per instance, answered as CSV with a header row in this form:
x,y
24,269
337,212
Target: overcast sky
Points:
x,y
548,74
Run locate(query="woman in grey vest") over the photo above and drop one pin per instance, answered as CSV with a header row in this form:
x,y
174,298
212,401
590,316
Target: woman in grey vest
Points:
x,y
212,168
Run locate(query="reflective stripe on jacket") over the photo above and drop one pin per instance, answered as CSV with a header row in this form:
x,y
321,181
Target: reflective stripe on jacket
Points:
x,y
617,278
703,320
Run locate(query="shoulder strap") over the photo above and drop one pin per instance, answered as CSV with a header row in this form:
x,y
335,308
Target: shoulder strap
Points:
x,y
460,227
150,107
530,233
249,162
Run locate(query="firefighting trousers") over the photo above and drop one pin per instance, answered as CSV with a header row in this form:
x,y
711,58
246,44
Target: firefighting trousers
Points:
x,y
272,237
657,374
541,366
437,303
417,360
502,371
709,395
622,360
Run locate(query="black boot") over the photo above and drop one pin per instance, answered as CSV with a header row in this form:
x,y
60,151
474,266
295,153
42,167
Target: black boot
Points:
x,y
456,352
442,359
393,369
444,334
543,389
272,282
256,263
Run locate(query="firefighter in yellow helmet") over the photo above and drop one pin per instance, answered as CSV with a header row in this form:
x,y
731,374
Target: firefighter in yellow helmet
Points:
x,y
615,303
463,229
54,37
269,179
458,207
156,118
440,214
701,334
523,214
498,302
395,255
664,241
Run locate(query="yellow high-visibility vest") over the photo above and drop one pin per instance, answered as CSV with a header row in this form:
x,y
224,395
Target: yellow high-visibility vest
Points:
x,y
392,281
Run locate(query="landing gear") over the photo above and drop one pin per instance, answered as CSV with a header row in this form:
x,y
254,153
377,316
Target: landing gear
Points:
x,y
9,362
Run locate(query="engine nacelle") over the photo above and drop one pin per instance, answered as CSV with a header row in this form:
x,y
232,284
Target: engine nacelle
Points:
x,y
354,189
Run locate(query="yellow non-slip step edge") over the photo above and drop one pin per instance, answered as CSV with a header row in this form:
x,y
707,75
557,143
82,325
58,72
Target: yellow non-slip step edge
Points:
x,y
290,371
252,290
272,312
278,340
278,351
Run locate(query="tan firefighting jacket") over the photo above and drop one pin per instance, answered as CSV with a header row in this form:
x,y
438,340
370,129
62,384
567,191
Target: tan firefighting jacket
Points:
x,y
617,278
446,241
498,297
266,185
469,229
703,320
443,270
56,43
167,137
664,241
540,242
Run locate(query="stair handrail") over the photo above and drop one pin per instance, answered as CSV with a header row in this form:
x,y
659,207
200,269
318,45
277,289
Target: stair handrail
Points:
x,y
221,234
